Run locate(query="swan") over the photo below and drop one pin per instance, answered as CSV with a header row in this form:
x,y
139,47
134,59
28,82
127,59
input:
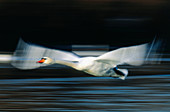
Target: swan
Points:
x,y
104,65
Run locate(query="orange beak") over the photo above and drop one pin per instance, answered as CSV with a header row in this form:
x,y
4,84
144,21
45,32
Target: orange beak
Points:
x,y
41,61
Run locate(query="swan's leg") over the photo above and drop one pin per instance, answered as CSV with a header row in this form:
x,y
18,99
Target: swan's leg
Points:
x,y
119,74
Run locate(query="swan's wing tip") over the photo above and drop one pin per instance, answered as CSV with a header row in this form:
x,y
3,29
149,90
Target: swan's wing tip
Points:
x,y
26,55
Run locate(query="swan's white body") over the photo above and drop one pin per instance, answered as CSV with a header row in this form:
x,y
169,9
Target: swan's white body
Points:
x,y
26,55
97,68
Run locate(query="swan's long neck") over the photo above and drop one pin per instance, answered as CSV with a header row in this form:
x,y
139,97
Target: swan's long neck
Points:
x,y
67,63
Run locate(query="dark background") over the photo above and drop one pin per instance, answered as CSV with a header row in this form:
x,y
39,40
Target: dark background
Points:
x,y
67,22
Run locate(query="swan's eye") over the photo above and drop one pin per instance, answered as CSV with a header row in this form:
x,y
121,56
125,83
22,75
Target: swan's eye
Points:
x,y
44,58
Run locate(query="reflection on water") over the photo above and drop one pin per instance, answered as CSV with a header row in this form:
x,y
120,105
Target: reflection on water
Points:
x,y
84,94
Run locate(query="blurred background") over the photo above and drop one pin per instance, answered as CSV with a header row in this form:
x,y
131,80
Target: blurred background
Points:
x,y
75,22
95,25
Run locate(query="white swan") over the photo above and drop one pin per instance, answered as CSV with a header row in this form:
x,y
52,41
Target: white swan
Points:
x,y
104,65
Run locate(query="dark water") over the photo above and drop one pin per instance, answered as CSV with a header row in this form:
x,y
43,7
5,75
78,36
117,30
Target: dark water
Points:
x,y
86,94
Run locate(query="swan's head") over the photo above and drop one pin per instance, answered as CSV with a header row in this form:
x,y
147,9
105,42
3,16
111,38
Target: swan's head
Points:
x,y
45,60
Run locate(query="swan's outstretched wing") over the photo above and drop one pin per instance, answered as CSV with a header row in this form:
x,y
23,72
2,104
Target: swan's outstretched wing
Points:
x,y
134,55
26,55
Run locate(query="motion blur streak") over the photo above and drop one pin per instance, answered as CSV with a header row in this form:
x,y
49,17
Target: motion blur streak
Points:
x,y
5,58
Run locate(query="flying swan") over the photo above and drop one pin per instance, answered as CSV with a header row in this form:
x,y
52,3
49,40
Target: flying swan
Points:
x,y
30,56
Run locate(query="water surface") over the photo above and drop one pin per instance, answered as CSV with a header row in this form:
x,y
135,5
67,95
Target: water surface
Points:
x,y
86,94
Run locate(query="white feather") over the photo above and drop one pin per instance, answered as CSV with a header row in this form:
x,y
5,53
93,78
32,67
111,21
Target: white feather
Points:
x,y
134,55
